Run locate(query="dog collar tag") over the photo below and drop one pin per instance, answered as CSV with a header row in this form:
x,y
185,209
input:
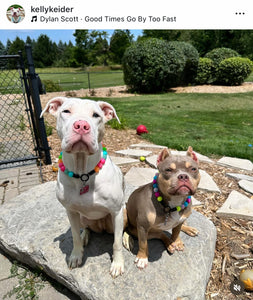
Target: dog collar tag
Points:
x,y
84,189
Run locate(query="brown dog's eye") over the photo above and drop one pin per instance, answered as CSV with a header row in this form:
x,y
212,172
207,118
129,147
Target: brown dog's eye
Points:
x,y
194,169
168,170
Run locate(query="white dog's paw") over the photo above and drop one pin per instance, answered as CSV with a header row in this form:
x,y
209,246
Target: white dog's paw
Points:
x,y
85,236
117,268
128,241
141,263
76,258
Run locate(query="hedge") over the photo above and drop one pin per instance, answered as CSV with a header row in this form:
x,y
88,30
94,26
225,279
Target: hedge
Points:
x,y
234,70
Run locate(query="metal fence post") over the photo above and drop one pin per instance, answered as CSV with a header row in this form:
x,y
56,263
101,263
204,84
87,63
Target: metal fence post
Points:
x,y
88,80
34,91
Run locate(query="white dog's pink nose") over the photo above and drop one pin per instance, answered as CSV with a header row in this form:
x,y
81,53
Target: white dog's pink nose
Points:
x,y
81,127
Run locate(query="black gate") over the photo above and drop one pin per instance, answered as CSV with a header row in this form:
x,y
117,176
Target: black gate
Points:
x,y
22,132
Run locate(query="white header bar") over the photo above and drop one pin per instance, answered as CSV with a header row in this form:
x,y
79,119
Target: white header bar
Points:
x,y
130,14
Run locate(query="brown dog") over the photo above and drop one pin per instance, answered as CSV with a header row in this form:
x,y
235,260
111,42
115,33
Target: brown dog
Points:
x,y
164,204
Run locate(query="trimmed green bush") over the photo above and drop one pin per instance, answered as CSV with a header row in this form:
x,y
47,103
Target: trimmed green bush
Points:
x,y
234,70
51,86
153,65
219,54
191,61
204,72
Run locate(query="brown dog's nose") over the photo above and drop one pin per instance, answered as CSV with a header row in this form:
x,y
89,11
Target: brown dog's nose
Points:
x,y
81,127
183,177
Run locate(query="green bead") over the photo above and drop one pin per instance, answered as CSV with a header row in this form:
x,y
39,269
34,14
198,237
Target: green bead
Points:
x,y
178,208
159,198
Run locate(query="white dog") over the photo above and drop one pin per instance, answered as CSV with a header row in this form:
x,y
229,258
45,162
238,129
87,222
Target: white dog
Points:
x,y
89,185
15,15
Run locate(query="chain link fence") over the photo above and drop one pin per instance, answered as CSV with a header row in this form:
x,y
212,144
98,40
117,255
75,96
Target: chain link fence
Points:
x,y
16,134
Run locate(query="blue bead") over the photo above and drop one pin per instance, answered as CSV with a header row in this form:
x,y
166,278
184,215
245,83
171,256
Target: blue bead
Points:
x,y
186,204
71,174
155,185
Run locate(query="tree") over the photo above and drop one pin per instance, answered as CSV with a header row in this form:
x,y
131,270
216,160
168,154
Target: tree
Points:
x,y
16,46
120,41
91,47
44,52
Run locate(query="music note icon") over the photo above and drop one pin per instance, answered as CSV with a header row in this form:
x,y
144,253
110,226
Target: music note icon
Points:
x,y
34,19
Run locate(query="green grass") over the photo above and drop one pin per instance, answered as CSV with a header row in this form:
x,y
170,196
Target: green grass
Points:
x,y
70,80
214,124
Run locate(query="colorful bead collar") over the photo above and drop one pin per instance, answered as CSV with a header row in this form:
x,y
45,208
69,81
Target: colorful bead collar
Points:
x,y
159,198
84,177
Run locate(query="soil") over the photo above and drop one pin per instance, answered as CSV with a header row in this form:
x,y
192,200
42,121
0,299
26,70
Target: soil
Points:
x,y
234,236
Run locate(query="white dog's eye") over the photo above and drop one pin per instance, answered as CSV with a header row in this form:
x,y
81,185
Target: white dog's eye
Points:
x,y
66,111
95,115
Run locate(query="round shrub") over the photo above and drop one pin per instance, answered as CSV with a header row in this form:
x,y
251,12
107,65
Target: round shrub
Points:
x,y
153,65
234,70
204,72
191,61
219,54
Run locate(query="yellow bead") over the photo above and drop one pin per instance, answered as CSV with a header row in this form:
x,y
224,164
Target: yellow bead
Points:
x,y
160,198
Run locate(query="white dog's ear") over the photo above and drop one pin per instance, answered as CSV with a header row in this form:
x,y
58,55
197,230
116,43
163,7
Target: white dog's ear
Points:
x,y
108,110
53,106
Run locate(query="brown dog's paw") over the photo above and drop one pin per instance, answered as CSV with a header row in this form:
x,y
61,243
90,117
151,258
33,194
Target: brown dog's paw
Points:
x,y
141,263
191,231
177,245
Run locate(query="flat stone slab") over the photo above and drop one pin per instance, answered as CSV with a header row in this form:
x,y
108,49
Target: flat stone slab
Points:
x,y
238,176
207,183
134,152
34,229
237,163
246,185
153,159
237,205
139,176
149,146
119,161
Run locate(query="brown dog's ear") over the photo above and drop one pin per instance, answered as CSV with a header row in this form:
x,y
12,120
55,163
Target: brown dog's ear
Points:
x,y
53,105
161,157
192,154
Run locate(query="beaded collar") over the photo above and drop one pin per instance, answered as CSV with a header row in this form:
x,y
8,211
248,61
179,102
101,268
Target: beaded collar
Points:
x,y
85,176
167,208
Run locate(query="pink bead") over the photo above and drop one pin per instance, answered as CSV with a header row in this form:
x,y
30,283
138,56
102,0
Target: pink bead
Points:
x,y
60,165
157,194
100,165
102,160
63,168
188,200
154,181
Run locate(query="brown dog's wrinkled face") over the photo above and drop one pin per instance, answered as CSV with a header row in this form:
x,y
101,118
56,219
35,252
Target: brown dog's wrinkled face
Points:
x,y
179,175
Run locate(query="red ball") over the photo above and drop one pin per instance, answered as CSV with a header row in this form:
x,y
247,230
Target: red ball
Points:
x,y
141,129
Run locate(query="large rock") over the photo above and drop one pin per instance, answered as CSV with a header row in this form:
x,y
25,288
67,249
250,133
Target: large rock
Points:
x,y
35,230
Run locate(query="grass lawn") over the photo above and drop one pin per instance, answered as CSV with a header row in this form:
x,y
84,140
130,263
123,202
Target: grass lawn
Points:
x,y
214,124
70,80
